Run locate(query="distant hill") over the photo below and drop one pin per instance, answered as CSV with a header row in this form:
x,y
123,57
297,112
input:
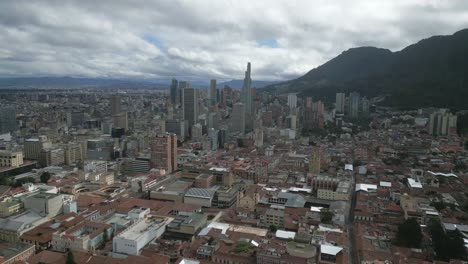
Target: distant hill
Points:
x,y
432,72
72,82
239,83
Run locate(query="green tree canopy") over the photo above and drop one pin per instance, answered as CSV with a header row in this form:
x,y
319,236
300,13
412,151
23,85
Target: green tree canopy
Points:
x,y
409,234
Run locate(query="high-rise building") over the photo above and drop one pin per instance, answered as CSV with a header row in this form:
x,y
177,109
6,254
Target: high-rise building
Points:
x,y
75,118
115,104
213,93
442,123
7,119
365,106
120,120
33,147
247,99
174,89
354,101
314,114
238,118
164,152
340,103
197,131
190,105
292,100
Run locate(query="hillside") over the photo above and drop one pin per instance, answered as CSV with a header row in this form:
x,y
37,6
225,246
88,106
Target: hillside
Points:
x,y
432,72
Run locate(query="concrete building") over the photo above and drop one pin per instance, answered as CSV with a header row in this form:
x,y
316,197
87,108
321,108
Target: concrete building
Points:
x,y
48,204
164,152
197,131
133,239
51,157
247,100
33,147
11,158
292,100
86,236
442,123
199,196
120,120
131,166
15,252
73,153
177,127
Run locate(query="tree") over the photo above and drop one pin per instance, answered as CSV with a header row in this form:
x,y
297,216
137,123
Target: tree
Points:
x,y
326,216
70,258
105,236
45,176
273,228
448,245
409,234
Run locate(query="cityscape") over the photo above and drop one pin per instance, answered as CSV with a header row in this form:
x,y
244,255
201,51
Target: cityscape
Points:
x,y
357,157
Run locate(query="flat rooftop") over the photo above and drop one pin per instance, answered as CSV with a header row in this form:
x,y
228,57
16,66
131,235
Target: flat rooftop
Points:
x,y
139,229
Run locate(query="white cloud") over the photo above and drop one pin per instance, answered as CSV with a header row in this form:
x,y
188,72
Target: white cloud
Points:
x,y
207,39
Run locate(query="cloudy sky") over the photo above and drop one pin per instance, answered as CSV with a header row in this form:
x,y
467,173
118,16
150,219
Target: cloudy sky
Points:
x,y
198,39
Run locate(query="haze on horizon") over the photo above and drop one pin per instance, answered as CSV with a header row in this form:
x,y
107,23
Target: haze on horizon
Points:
x,y
198,40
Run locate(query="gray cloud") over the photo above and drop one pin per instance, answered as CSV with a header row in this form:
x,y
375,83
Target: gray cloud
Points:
x,y
207,39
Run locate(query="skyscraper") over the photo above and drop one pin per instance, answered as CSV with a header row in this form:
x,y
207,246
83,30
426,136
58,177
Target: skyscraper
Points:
x,y
164,152
213,93
247,99
115,104
238,118
190,105
354,100
7,119
340,102
174,91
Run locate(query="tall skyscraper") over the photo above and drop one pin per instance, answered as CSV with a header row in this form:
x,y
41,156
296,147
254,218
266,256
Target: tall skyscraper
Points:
x,y
164,152
213,95
116,107
190,105
247,99
7,119
174,91
238,118
340,103
354,100
292,100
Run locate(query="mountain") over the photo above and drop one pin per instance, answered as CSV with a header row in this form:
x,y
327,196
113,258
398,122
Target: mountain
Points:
x,y
72,82
237,84
432,72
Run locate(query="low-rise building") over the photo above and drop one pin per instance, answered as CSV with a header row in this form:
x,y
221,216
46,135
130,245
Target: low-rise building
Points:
x,y
11,158
133,239
86,236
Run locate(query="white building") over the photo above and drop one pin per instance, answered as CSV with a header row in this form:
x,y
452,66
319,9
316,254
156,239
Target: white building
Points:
x,y
292,100
133,239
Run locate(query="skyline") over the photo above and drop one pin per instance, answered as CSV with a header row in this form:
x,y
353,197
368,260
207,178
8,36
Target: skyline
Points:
x,y
188,40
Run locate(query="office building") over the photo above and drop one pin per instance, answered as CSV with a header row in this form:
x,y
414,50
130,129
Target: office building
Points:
x,y
164,152
174,90
7,119
176,127
190,105
197,131
340,103
238,118
73,153
120,120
